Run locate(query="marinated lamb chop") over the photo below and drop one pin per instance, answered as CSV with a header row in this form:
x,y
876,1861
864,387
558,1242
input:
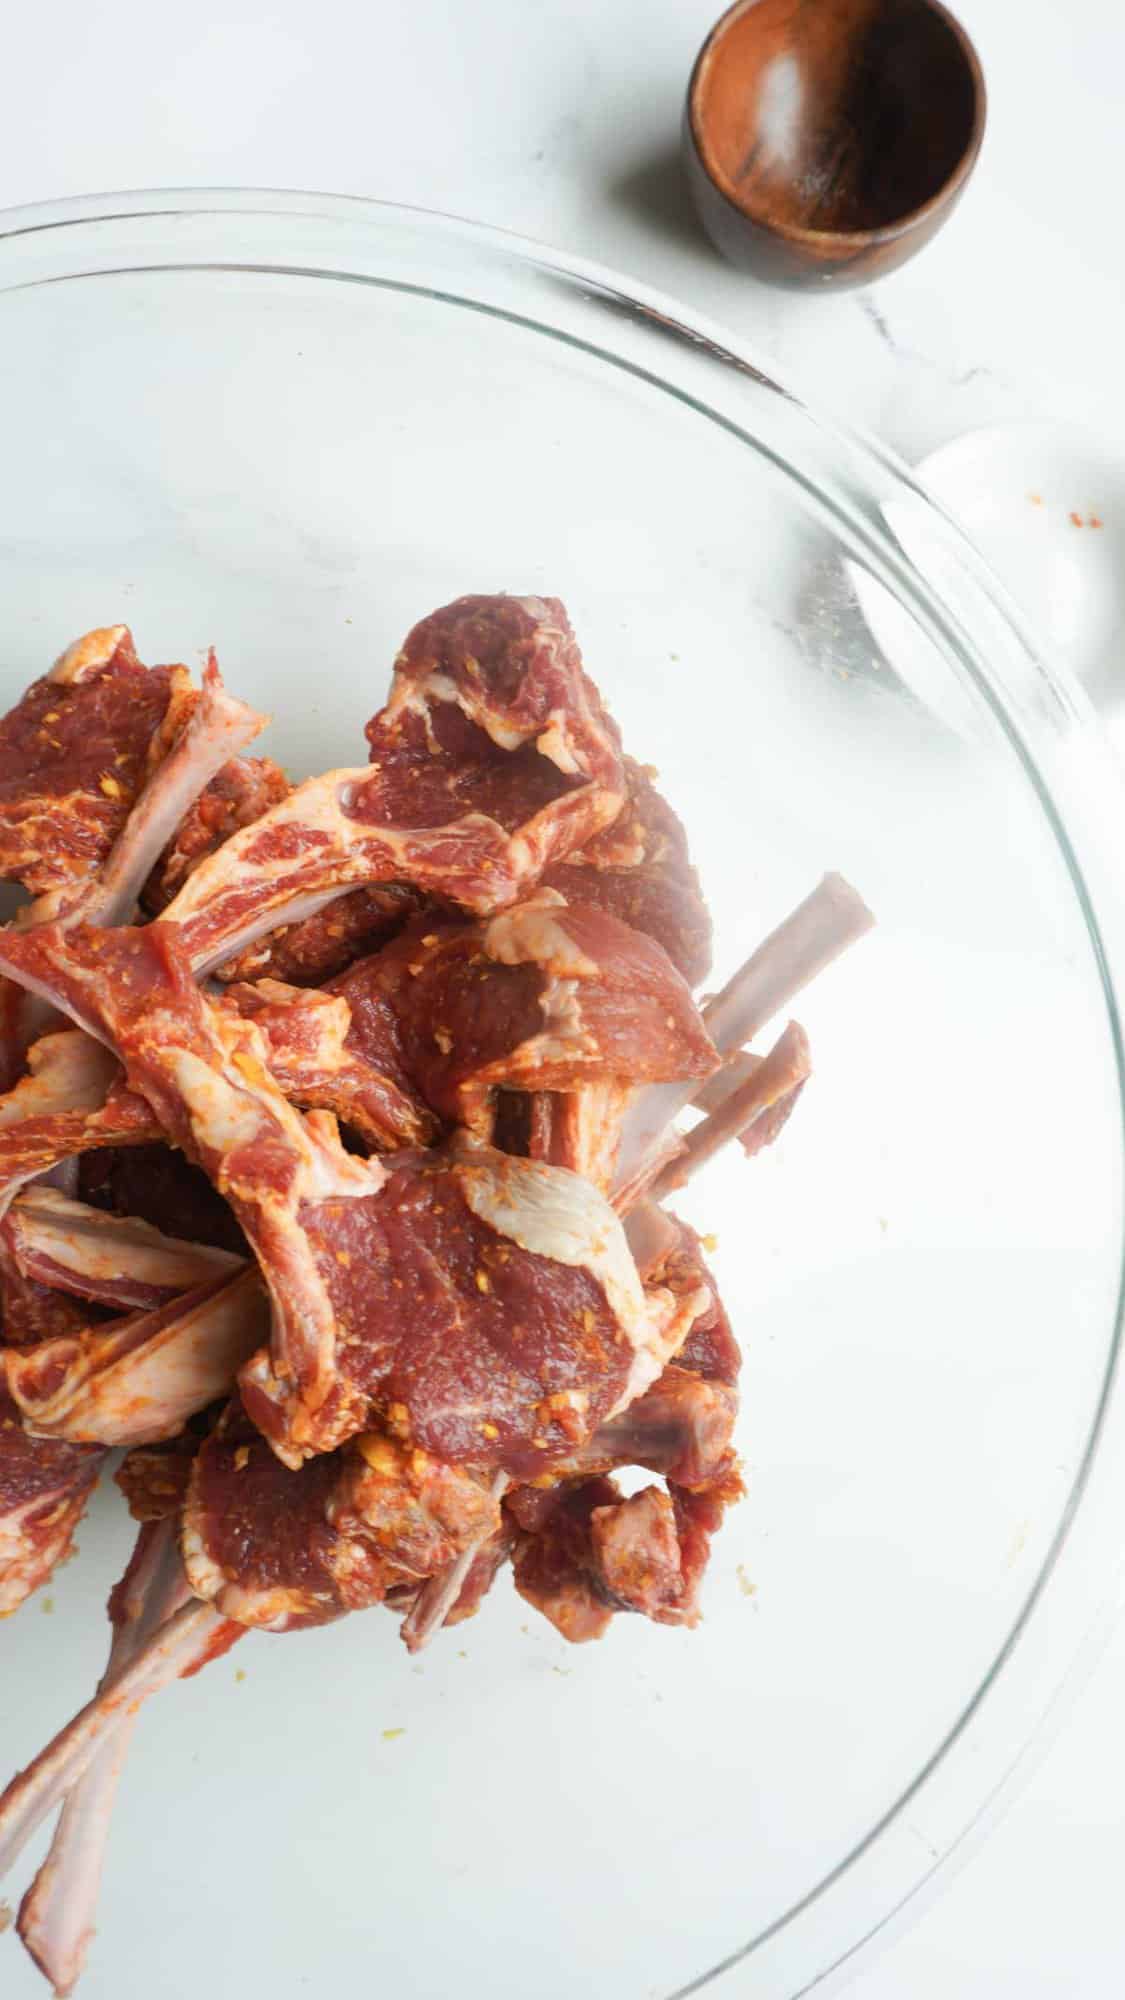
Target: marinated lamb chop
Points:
x,y
545,997
75,1100
191,741
73,758
492,758
282,1549
119,1261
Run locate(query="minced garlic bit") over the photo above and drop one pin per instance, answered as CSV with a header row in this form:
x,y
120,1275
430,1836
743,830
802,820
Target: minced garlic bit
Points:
x,y
444,1040
110,787
489,1431
378,1452
242,1458
484,1282
710,1244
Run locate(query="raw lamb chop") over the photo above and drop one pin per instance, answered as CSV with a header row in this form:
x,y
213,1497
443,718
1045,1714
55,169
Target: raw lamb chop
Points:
x,y
544,997
492,759
73,758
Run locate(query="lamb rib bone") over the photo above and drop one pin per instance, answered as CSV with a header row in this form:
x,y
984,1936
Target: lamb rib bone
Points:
x,y
830,919
311,848
184,1642
56,1916
217,729
114,1259
774,1081
137,1380
439,1593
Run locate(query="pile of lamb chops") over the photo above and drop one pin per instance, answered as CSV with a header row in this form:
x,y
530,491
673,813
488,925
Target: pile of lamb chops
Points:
x,y
336,1125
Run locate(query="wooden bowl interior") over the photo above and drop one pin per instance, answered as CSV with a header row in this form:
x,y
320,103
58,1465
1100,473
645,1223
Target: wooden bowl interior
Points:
x,y
843,116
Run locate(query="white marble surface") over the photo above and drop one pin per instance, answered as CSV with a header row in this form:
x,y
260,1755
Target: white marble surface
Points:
x,y
561,121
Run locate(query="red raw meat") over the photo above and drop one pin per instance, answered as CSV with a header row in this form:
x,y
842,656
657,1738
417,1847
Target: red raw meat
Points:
x,y
284,1549
639,870
44,1488
543,997
238,794
159,1186
321,1057
306,953
492,759
73,757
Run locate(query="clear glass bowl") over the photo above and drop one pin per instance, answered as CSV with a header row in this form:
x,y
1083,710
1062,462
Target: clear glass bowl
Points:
x,y
290,425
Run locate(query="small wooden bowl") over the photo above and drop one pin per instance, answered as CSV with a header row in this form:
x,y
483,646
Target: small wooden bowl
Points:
x,y
827,140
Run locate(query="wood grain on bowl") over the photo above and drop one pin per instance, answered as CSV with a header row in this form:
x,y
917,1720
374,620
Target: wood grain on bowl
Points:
x,y
827,140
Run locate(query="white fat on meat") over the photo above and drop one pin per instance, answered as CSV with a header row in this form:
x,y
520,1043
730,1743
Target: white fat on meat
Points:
x,y
23,1570
66,1072
98,1247
553,1213
87,655
535,933
268,1610
137,1380
220,726
226,1103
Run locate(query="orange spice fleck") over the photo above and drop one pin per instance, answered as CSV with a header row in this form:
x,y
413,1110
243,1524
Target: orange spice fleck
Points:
x,y
1075,519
